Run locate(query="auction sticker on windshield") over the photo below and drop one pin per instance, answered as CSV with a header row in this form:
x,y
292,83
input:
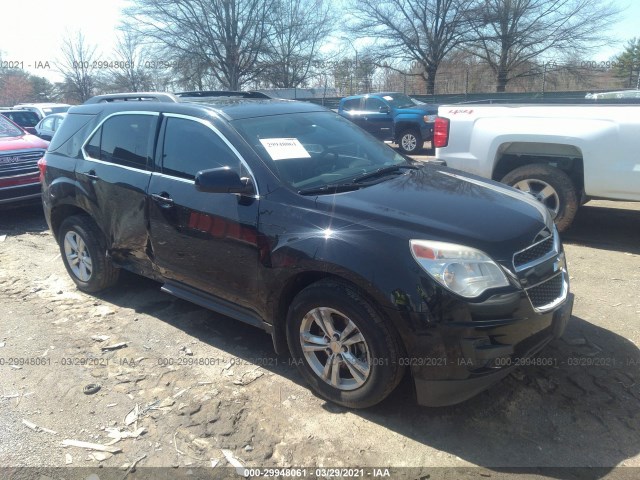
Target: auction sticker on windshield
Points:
x,y
284,148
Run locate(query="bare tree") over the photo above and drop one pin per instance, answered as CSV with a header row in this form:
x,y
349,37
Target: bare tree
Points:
x,y
421,31
226,36
127,72
298,29
512,33
15,87
77,67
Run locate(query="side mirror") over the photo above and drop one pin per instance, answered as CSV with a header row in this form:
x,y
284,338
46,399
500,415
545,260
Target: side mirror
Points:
x,y
222,180
384,109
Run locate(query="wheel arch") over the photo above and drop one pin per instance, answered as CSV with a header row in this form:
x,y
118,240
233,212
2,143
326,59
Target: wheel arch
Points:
x,y
64,211
404,125
566,157
298,282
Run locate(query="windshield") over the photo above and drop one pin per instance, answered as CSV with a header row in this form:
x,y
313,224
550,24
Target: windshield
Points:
x,y
400,100
316,149
8,129
24,119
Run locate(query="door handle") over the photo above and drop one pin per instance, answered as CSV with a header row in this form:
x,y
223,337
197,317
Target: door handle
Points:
x,y
91,174
163,199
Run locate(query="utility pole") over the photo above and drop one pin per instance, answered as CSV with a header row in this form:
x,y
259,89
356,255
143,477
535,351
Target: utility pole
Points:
x,y
355,67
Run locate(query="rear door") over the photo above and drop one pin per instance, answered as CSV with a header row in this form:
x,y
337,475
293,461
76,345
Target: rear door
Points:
x,y
114,174
205,240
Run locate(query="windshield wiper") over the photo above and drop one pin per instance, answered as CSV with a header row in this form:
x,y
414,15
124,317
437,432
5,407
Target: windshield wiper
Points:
x,y
383,171
326,189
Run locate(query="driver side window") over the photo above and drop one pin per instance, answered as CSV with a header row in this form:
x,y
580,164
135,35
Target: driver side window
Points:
x,y
190,146
373,104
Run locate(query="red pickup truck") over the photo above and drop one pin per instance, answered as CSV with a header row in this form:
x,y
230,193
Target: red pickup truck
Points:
x,y
19,155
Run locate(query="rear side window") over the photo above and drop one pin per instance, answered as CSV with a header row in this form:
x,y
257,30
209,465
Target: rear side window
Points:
x,y
124,140
70,136
24,119
190,146
353,104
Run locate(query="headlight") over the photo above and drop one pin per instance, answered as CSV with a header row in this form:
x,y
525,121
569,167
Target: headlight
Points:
x,y
463,270
429,118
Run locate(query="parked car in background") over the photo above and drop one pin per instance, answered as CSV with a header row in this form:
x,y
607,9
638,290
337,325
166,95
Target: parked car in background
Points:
x,y
617,95
286,216
393,117
44,109
563,155
25,119
19,155
49,124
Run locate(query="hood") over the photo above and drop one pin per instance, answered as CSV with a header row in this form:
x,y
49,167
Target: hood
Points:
x,y
438,203
419,110
22,142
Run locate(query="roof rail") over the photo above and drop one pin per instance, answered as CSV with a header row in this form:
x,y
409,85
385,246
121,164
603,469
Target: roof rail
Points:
x,y
222,93
134,97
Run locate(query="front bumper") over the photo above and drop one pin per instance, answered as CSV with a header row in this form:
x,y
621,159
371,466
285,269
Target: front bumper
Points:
x,y
483,361
20,193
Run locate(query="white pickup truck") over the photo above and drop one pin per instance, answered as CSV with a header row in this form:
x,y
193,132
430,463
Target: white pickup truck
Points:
x,y
562,154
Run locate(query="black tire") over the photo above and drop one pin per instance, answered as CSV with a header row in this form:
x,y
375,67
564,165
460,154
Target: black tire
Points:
x,y
381,341
102,272
410,141
563,205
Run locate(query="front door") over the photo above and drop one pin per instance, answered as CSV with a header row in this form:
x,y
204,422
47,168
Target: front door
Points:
x,y
377,119
205,240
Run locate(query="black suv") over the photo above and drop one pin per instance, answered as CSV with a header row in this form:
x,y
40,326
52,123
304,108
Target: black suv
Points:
x,y
284,215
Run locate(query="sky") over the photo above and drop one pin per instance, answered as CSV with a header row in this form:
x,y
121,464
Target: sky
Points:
x,y
35,39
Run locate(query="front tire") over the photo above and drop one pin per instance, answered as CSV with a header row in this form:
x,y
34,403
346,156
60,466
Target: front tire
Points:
x,y
342,346
410,141
83,253
549,185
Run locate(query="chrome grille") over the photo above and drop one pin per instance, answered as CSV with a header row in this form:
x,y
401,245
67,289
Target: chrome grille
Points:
x,y
18,162
534,252
547,292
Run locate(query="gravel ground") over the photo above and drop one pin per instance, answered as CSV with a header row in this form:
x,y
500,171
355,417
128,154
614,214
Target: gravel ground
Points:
x,y
202,382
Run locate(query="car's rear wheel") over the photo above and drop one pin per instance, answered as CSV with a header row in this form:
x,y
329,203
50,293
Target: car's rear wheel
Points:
x,y
410,141
550,186
342,346
83,253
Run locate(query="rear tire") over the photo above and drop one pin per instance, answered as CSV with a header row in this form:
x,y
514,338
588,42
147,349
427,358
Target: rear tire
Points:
x,y
84,254
342,346
549,185
410,141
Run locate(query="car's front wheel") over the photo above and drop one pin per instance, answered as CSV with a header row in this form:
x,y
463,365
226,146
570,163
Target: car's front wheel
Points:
x,y
410,141
83,254
342,346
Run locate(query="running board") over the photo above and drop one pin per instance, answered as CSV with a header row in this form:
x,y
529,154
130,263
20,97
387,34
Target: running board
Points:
x,y
216,304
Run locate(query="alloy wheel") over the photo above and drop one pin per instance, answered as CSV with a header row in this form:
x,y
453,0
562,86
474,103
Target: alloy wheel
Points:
x,y
409,142
543,192
78,256
335,349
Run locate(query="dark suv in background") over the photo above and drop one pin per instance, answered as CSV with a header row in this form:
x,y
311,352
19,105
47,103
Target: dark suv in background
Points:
x,y
25,119
282,214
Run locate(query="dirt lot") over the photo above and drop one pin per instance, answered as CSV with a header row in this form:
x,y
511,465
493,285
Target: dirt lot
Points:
x,y
203,382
